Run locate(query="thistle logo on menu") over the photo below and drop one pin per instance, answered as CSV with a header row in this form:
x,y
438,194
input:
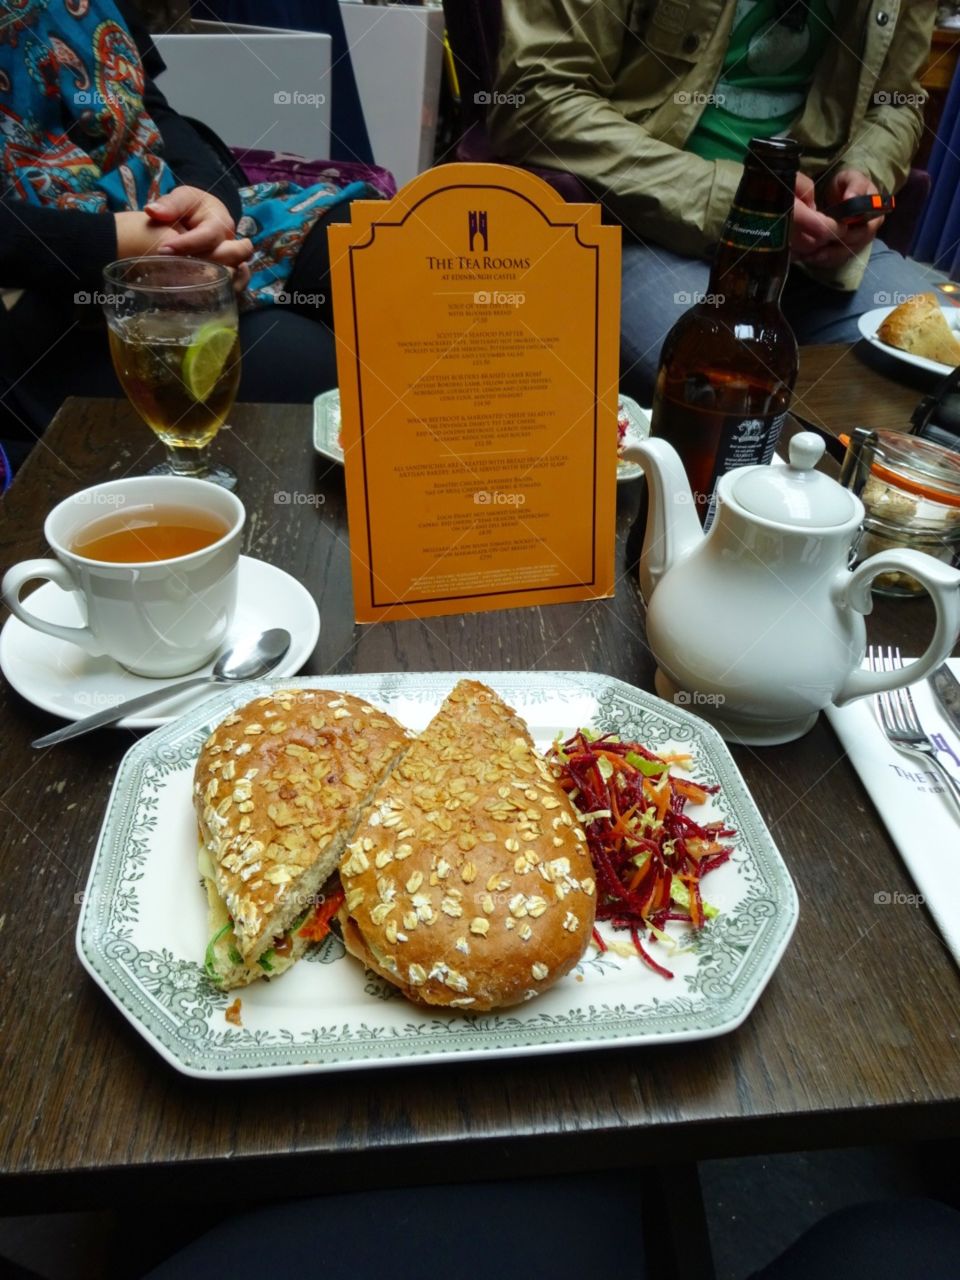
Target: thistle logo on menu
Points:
x,y
477,222
477,233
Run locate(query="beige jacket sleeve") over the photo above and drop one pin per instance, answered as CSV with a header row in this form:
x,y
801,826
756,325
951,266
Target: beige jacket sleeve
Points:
x,y
558,65
886,141
579,93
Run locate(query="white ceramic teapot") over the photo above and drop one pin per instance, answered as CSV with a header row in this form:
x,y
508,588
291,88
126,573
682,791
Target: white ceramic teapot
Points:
x,y
758,624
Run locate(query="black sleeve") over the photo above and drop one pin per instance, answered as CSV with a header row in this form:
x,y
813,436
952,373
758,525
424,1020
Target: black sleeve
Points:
x,y
61,249
193,160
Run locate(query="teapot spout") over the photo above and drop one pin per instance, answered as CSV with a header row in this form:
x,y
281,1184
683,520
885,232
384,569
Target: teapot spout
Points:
x,y
673,528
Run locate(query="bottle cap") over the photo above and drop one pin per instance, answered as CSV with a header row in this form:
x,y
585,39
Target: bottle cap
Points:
x,y
774,153
795,495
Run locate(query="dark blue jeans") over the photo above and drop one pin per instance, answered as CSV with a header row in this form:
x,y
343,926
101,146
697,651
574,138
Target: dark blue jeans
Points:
x,y
561,1228
658,286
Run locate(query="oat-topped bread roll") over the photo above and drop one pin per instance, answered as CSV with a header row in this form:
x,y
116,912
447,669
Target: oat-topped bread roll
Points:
x,y
918,326
278,790
468,882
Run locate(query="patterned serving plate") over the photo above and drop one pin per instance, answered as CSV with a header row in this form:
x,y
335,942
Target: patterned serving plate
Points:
x,y
326,430
142,928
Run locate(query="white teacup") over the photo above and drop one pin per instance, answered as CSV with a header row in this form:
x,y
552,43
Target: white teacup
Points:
x,y
154,617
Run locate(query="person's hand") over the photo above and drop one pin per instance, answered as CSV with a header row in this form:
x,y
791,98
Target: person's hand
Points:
x,y
206,229
849,240
138,236
812,231
241,277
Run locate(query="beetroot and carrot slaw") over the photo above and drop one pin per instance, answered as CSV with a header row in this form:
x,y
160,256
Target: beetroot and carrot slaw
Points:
x,y
649,855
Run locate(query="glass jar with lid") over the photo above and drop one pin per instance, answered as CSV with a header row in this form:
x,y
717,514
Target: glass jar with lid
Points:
x,y
911,498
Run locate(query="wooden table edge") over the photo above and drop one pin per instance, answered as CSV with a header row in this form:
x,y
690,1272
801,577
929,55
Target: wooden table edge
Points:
x,y
499,1156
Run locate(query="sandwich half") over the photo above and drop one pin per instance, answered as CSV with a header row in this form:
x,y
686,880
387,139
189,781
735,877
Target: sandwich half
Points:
x,y
279,787
468,882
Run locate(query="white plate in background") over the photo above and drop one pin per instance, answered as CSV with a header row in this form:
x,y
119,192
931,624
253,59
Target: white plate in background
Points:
x,y
326,430
871,321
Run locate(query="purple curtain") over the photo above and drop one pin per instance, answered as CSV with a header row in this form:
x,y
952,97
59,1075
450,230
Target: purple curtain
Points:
x,y
938,236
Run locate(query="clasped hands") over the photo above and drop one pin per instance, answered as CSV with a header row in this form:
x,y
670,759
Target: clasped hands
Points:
x,y
819,241
190,221
187,221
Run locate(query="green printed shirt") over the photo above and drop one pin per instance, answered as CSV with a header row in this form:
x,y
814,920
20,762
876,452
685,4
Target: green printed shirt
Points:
x,y
764,80
611,90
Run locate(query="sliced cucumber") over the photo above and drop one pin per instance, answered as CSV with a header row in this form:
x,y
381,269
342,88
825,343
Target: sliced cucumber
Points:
x,y
209,959
649,768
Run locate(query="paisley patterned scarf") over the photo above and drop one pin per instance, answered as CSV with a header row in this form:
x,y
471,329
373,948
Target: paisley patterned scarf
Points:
x,y
75,135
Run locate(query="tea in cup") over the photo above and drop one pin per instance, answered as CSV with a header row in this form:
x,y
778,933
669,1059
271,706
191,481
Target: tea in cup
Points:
x,y
155,561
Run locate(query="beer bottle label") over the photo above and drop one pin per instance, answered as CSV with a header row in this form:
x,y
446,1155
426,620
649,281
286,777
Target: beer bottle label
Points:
x,y
750,229
743,443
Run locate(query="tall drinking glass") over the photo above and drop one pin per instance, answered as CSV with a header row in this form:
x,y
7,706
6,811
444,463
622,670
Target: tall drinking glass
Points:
x,y
175,347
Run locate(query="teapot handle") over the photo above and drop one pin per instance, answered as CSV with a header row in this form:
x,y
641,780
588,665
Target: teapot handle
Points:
x,y
943,584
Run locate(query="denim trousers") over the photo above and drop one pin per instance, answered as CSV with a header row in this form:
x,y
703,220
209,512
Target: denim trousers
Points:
x,y
658,286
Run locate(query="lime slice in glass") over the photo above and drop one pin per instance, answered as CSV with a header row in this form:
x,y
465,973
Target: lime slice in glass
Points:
x,y
205,358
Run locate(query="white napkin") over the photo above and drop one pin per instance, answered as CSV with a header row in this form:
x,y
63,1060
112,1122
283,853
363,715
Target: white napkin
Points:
x,y
922,819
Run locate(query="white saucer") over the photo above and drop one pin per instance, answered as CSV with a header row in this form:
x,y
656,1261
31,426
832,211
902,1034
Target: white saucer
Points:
x,y
59,677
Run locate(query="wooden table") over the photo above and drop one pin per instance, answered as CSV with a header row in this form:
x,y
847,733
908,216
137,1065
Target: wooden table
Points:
x,y
841,387
854,1040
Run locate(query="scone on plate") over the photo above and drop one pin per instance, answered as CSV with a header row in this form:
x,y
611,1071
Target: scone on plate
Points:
x,y
279,787
918,326
468,882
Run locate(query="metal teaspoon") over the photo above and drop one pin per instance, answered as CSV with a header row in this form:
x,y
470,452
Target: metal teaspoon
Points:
x,y
245,660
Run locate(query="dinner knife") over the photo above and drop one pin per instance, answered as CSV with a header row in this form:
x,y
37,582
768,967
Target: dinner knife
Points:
x,y
946,688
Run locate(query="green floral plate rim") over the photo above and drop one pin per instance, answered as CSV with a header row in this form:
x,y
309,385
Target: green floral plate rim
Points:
x,y
142,928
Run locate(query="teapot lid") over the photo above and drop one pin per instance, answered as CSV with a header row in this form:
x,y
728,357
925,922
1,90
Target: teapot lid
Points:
x,y
795,495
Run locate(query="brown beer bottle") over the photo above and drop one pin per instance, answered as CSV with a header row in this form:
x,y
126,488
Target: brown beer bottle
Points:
x,y
728,365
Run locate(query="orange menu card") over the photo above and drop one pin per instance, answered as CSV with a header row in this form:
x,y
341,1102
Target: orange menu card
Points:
x,y
477,317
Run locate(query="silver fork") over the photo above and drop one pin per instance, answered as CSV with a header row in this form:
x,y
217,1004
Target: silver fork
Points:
x,y
900,721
